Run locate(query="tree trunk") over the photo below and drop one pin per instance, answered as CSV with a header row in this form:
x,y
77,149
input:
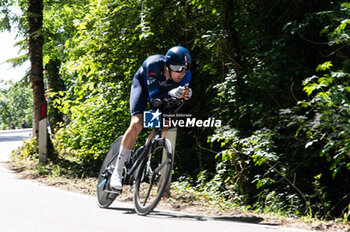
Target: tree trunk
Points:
x,y
230,39
35,21
55,85
231,51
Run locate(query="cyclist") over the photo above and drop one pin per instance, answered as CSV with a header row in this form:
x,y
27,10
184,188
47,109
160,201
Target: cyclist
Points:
x,y
156,78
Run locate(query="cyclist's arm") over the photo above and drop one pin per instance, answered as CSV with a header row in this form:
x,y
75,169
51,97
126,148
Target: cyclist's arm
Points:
x,y
186,81
153,85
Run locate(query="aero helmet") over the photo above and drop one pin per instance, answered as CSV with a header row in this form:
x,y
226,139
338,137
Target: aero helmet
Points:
x,y
178,59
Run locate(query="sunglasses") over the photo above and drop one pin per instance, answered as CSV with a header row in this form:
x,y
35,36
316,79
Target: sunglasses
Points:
x,y
178,68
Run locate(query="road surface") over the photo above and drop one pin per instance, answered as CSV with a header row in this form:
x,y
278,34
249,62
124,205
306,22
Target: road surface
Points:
x,y
32,207
10,140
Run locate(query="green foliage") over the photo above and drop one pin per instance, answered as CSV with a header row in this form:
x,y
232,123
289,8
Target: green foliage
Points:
x,y
94,125
27,151
277,75
259,102
26,156
16,103
330,103
240,156
95,99
6,15
188,190
249,66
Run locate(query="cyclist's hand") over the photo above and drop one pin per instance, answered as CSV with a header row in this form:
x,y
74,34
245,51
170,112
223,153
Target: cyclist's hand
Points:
x,y
187,94
177,92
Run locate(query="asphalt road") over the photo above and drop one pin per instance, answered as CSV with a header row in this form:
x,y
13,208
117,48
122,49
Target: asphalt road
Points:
x,y
32,207
10,140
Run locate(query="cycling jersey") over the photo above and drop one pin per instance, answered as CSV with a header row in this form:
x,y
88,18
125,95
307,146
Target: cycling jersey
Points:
x,y
150,83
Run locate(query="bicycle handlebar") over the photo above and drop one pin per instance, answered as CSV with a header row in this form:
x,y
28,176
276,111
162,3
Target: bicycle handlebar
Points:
x,y
172,104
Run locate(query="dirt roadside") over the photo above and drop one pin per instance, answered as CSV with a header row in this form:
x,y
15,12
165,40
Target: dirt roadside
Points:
x,y
181,202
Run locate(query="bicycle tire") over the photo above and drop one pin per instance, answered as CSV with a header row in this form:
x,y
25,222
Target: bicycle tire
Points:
x,y
152,191
105,199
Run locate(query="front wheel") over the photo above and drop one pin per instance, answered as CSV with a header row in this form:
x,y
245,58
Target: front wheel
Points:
x,y
153,177
104,196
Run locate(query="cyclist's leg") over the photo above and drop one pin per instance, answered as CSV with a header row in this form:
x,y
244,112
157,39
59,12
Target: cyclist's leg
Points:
x,y
127,143
132,132
138,101
164,131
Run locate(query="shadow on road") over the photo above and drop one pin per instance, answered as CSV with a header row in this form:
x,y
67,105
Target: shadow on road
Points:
x,y
178,215
12,138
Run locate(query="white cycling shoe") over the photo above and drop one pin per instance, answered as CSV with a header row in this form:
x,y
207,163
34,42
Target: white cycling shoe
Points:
x,y
116,180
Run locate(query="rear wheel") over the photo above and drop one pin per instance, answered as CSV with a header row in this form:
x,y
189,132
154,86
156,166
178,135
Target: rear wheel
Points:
x,y
153,177
104,196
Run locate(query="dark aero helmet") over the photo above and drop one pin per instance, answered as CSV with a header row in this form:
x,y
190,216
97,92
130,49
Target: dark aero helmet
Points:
x,y
178,59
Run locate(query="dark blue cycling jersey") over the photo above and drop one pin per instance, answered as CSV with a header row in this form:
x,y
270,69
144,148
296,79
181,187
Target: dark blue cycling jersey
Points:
x,y
150,83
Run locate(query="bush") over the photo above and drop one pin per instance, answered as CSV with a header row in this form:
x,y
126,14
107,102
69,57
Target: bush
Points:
x,y
27,151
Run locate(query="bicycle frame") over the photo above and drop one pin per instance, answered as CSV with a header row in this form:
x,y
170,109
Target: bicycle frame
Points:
x,y
148,147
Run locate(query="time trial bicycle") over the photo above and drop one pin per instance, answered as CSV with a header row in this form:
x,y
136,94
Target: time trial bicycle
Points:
x,y
146,167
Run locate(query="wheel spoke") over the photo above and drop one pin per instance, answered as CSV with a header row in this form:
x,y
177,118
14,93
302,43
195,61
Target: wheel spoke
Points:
x,y
149,190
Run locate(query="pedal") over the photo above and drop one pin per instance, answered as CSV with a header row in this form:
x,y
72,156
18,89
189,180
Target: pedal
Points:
x,y
110,190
